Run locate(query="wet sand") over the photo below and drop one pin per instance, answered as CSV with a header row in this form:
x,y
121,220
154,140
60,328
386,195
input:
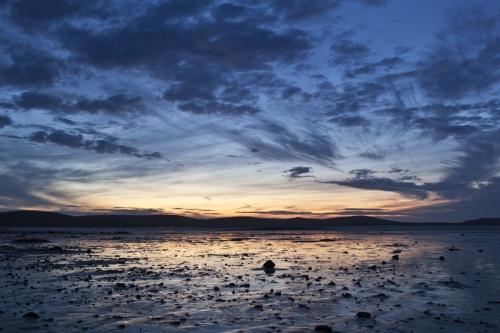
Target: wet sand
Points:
x,y
422,279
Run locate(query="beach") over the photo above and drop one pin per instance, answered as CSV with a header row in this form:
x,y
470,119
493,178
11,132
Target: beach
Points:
x,y
360,279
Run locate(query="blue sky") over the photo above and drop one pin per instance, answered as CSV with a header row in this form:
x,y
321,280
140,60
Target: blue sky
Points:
x,y
264,108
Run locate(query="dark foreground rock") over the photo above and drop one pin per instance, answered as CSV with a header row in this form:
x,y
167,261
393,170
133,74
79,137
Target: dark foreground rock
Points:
x,y
269,264
31,315
363,314
323,328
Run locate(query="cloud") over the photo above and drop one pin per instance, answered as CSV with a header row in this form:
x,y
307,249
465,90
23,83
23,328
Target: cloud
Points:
x,y
276,212
350,121
298,172
385,64
65,121
23,183
373,3
219,109
362,173
5,121
100,146
296,11
29,67
464,57
347,51
290,92
397,170
114,104
277,141
33,100
406,189
470,174
225,43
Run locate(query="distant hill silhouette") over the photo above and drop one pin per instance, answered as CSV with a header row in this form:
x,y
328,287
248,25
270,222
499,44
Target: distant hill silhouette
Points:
x,y
483,221
39,219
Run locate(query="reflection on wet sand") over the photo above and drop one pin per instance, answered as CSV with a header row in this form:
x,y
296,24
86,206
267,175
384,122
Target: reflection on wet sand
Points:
x,y
344,280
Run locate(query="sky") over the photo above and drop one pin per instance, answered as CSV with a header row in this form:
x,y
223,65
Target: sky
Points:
x,y
268,108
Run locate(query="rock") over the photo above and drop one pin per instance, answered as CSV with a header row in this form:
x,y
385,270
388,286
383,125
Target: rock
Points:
x,y
441,258
395,257
121,326
372,267
323,328
269,264
56,248
31,315
31,240
120,285
363,314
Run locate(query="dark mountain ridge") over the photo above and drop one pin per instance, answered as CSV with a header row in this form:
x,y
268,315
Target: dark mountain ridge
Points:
x,y
40,219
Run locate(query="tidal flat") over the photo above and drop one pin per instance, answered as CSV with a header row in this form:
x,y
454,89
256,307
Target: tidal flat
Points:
x,y
380,279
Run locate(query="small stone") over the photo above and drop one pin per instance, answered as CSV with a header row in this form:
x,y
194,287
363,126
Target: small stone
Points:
x,y
269,264
121,326
395,257
31,315
441,258
323,328
363,314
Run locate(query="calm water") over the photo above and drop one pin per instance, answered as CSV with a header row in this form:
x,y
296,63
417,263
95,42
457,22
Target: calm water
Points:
x,y
162,280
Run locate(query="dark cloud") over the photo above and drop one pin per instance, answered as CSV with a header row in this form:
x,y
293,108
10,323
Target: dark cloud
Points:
x,y
276,212
299,172
66,139
30,68
470,174
187,92
34,100
114,104
238,44
397,170
65,121
290,92
5,121
464,58
409,179
295,11
102,146
407,189
402,50
362,173
373,3
374,155
220,109
353,121
478,202
33,14
39,137
384,64
347,51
